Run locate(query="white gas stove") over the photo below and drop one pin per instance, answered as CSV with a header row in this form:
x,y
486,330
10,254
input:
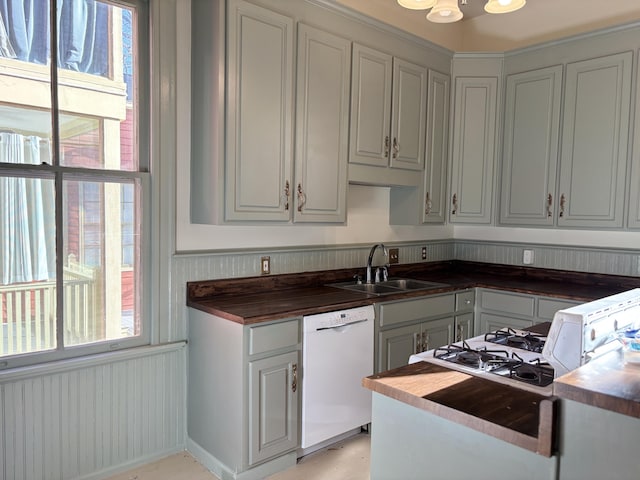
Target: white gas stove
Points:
x,y
508,356
530,361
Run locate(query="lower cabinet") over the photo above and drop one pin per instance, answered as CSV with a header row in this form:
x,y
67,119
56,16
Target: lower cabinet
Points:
x,y
243,395
273,406
412,326
498,309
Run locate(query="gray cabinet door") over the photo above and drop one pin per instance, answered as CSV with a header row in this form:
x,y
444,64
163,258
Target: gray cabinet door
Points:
x,y
259,148
426,203
464,326
433,205
408,115
397,345
436,333
530,148
273,406
473,155
322,126
370,141
595,142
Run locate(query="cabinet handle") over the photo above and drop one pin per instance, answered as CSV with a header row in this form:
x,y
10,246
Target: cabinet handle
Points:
x,y
562,204
285,195
418,339
396,147
386,146
302,198
427,204
459,335
294,382
425,341
549,205
454,201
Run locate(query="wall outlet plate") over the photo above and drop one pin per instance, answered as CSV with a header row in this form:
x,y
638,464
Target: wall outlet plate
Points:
x,y
424,253
527,257
265,265
393,255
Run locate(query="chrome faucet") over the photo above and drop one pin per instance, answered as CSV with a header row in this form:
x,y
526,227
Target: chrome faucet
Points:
x,y
369,271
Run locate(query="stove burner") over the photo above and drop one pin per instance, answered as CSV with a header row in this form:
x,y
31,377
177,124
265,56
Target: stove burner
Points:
x,y
497,362
511,338
468,358
536,374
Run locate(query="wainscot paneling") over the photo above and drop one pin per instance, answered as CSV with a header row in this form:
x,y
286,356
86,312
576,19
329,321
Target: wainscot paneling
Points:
x,y
92,417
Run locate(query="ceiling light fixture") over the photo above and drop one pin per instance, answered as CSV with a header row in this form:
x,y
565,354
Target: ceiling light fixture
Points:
x,y
448,11
504,6
445,11
417,4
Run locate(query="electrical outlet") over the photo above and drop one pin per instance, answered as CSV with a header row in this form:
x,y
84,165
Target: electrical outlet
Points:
x,y
424,253
265,265
393,255
527,257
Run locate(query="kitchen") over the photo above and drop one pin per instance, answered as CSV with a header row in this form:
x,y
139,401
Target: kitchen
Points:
x,y
201,251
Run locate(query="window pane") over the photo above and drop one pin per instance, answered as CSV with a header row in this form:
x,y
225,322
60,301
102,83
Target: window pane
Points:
x,y
100,295
27,262
96,90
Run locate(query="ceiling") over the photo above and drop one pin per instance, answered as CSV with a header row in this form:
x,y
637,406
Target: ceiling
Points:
x,y
538,22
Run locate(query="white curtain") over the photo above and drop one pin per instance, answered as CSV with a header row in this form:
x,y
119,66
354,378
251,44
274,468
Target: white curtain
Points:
x,y
27,221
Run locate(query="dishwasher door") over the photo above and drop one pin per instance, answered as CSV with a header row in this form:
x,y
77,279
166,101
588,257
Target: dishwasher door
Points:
x,y
337,354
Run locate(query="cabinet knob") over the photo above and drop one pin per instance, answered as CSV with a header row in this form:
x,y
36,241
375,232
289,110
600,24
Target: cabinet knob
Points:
x,y
285,195
459,331
294,382
302,198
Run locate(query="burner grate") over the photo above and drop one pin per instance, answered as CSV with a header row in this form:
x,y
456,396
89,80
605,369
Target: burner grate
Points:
x,y
524,341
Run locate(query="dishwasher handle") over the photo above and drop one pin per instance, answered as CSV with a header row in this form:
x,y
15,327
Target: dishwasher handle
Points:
x,y
340,325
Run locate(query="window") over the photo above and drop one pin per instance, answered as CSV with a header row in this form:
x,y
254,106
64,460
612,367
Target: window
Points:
x,y
73,180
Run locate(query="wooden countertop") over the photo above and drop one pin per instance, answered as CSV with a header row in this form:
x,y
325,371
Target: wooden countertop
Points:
x,y
257,299
516,416
606,382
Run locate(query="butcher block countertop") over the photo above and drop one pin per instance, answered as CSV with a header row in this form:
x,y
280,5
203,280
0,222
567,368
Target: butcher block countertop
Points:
x,y
606,382
514,415
270,297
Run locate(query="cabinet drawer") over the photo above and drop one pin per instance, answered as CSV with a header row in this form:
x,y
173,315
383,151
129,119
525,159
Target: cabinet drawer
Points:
x,y
547,307
508,303
411,310
465,300
274,336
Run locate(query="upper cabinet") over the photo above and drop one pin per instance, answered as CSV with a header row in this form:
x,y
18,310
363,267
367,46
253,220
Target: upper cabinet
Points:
x,y
473,153
530,146
426,203
595,136
322,126
259,150
268,177
582,184
388,111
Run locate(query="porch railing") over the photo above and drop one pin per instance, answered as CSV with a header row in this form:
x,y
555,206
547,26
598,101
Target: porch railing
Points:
x,y
28,312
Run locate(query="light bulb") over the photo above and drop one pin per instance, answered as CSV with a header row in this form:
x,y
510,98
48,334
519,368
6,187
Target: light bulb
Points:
x,y
504,3
445,13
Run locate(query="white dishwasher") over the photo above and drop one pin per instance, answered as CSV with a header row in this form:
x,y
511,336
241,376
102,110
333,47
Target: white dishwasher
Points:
x,y
337,353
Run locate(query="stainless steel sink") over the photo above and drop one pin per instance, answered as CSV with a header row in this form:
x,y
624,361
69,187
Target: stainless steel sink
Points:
x,y
393,285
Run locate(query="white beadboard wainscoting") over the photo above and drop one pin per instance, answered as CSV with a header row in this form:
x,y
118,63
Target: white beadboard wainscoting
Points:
x,y
92,417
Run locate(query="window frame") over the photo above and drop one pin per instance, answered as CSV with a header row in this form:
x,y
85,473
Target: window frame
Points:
x,y
142,101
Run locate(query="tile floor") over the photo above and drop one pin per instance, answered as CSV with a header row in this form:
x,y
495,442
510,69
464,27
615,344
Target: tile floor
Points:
x,y
344,460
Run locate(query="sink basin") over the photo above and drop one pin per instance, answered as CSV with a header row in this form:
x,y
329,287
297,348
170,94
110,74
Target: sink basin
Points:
x,y
393,285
